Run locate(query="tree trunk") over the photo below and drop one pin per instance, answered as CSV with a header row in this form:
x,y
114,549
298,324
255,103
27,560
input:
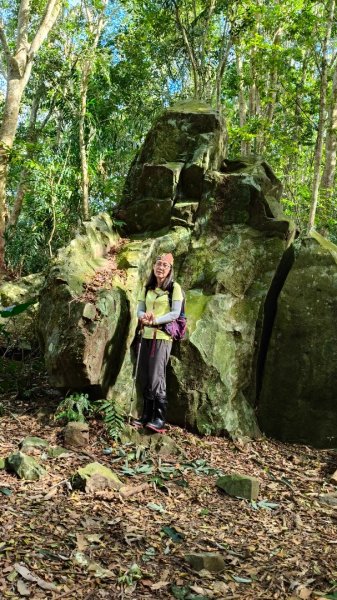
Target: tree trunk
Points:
x,y
31,138
82,142
328,175
321,120
245,150
19,66
8,129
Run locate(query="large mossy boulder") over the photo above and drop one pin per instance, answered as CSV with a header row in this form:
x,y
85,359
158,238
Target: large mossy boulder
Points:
x,y
228,235
224,224
298,401
81,334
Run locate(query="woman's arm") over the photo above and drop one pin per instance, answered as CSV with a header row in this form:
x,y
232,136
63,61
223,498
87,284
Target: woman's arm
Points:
x,y
141,309
170,316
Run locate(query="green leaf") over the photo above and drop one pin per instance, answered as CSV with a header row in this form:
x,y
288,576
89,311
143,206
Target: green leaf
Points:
x,y
179,592
181,482
242,579
6,491
156,507
173,534
16,309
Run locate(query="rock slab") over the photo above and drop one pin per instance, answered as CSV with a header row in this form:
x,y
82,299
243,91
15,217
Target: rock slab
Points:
x,y
240,486
211,561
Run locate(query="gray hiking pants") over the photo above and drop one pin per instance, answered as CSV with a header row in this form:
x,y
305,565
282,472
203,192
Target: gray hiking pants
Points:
x,y
152,369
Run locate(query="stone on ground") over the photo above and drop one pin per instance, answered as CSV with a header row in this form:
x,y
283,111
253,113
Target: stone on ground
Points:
x,y
57,452
32,445
95,477
76,434
26,467
241,486
211,561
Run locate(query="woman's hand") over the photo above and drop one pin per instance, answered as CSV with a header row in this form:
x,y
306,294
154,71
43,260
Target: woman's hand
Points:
x,y
148,318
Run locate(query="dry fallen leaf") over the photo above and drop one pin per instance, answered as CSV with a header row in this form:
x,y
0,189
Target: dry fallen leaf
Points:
x,y
22,588
26,574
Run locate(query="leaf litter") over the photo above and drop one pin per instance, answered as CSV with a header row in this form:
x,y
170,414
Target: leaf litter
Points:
x,y
131,543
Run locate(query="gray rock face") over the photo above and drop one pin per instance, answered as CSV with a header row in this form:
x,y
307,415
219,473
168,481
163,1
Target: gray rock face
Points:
x,y
186,141
80,339
298,393
30,444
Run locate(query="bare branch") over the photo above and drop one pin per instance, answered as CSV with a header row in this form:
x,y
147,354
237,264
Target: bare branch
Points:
x,y
51,13
4,43
23,24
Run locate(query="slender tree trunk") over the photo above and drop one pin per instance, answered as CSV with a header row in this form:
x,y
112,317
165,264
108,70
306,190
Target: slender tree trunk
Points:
x,y
190,52
95,28
328,175
321,119
245,148
8,129
225,49
83,145
31,138
19,66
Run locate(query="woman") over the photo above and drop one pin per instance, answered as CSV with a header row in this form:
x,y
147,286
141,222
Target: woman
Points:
x,y
154,310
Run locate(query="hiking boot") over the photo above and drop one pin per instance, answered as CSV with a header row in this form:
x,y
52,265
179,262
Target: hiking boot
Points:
x,y
147,413
158,422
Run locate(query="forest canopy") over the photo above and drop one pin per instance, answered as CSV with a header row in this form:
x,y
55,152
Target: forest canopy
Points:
x,y
82,82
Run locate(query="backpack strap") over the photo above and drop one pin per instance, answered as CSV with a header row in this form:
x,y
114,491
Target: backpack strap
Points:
x,y
170,293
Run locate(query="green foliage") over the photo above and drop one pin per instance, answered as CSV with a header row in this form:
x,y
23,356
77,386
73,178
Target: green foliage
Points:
x,y
130,575
112,418
74,408
16,309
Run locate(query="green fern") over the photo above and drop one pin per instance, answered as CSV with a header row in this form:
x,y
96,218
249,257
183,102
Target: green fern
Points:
x,y
112,417
73,408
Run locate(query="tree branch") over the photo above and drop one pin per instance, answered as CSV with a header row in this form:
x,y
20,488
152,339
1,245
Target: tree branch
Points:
x,y
51,13
4,43
23,23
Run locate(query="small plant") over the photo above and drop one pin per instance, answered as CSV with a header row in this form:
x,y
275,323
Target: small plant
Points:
x,y
131,575
112,418
73,407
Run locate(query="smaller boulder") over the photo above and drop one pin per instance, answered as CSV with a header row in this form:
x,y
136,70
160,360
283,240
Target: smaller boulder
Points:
x,y
76,435
95,477
57,452
130,435
240,486
211,561
164,445
33,445
26,467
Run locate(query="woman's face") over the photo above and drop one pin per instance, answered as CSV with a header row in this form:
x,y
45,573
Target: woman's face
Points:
x,y
161,269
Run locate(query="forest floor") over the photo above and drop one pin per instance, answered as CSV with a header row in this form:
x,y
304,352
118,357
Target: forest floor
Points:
x,y
59,543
